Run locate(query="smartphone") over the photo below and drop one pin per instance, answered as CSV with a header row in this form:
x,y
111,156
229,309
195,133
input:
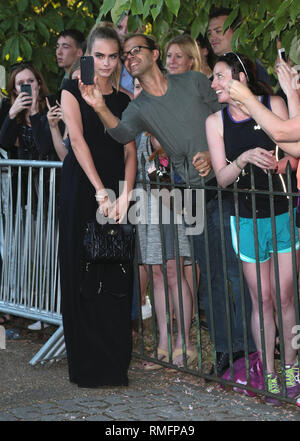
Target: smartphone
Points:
x,y
87,72
282,54
52,100
26,88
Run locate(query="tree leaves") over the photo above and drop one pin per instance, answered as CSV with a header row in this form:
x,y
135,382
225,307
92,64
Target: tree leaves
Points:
x,y
11,48
25,47
173,6
119,7
22,5
29,28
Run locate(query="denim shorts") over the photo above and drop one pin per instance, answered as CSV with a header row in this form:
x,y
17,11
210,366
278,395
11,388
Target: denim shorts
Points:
x,y
264,236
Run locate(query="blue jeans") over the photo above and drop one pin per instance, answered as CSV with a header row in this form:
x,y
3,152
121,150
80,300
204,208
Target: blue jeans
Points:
x,y
218,292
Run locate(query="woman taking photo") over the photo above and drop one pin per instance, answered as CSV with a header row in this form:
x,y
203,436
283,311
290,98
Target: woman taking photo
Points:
x,y
236,141
25,132
97,327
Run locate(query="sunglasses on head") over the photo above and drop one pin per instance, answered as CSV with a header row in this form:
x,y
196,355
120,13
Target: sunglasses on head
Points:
x,y
228,54
20,64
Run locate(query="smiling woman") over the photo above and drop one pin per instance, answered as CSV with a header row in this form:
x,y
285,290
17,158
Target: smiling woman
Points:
x,y
235,142
182,55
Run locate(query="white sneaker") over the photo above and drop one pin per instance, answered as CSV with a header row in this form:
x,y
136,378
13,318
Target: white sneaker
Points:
x,y
37,326
146,309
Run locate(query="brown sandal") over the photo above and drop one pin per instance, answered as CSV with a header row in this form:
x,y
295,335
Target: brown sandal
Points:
x,y
191,356
151,365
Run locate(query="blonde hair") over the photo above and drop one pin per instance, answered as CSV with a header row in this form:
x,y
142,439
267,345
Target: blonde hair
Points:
x,y
190,47
106,32
75,66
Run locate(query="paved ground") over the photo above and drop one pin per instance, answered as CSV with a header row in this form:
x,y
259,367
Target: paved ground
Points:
x,y
43,393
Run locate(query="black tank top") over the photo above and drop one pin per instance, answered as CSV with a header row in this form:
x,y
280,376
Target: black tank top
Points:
x,y
240,136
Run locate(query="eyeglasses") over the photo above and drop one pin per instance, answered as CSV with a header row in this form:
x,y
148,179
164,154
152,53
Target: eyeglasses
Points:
x,y
240,61
133,52
24,64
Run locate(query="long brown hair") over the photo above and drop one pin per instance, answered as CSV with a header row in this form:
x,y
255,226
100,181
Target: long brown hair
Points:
x,y
43,90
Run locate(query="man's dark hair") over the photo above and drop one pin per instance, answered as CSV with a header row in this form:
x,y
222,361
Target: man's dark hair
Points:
x,y
241,63
77,36
204,43
218,12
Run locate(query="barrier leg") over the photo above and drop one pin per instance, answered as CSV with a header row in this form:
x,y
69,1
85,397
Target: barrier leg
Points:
x,y
54,347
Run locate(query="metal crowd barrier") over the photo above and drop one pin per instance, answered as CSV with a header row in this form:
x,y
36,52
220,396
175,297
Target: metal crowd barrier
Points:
x,y
30,284
204,360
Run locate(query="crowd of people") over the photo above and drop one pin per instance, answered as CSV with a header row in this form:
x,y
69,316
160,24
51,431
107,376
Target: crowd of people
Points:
x,y
206,116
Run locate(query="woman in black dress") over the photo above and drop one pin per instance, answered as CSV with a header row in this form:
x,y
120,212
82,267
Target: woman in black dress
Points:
x,y
97,327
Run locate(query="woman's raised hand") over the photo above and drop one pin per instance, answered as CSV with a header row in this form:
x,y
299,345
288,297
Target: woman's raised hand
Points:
x,y
22,102
288,78
54,114
238,91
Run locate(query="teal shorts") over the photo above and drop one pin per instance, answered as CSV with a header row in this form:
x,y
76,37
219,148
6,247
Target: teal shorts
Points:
x,y
264,236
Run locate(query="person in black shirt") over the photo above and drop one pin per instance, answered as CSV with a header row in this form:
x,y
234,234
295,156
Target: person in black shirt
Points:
x,y
236,141
25,132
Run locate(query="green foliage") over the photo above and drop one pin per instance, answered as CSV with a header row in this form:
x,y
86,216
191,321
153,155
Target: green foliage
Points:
x,y
261,23
29,28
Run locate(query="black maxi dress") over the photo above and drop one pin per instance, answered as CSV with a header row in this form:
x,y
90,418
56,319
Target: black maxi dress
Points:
x,y
97,327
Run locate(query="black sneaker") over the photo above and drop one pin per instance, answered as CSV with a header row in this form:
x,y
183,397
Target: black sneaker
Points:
x,y
223,363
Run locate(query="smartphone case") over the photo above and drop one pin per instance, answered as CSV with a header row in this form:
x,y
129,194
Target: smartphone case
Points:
x,y
87,69
26,88
52,100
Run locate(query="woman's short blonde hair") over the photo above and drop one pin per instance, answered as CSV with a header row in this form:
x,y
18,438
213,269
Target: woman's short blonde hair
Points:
x,y
190,47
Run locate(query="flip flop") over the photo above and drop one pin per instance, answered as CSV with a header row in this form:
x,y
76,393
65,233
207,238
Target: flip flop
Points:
x,y
191,356
150,366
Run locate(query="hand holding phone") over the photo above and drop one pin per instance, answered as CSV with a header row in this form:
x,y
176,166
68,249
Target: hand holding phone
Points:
x,y
87,71
27,89
282,54
51,100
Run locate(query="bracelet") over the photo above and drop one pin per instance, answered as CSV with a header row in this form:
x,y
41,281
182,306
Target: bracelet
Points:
x,y
241,168
101,195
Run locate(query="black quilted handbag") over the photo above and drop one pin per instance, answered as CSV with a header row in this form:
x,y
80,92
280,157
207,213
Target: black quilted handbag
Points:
x,y
109,242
